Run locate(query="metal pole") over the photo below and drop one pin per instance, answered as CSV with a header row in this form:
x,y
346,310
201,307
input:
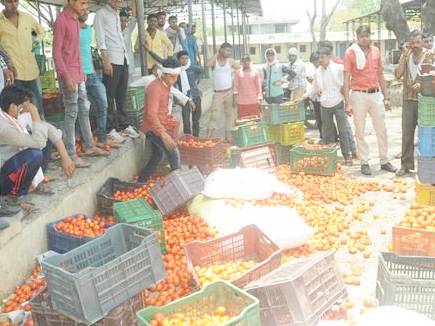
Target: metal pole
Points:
x,y
379,29
232,27
247,32
190,11
141,32
347,33
213,26
224,5
244,32
204,36
353,30
238,28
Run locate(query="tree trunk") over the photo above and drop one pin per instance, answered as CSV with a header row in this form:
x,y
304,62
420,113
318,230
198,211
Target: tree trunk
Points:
x,y
428,15
326,18
395,19
312,20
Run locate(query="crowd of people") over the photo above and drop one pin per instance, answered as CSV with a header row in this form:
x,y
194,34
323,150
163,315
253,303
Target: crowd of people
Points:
x,y
99,79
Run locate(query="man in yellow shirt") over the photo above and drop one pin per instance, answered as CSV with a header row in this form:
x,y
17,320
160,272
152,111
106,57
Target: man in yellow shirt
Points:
x,y
16,29
157,43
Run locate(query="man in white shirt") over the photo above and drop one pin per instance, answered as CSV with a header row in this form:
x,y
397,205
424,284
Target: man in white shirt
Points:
x,y
128,24
297,86
328,83
176,35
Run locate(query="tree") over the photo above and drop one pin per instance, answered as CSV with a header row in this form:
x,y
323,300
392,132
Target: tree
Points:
x,y
46,11
312,20
395,20
324,20
428,15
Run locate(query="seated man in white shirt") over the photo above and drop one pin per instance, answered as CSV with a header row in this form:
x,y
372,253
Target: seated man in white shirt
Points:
x,y
328,83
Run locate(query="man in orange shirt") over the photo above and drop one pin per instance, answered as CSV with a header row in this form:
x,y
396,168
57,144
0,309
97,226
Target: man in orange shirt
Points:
x,y
364,75
156,116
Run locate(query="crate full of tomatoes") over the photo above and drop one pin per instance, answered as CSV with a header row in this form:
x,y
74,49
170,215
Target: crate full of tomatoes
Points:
x,y
201,152
73,231
314,159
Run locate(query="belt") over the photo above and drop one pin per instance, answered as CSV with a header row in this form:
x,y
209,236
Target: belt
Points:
x,y
368,91
223,90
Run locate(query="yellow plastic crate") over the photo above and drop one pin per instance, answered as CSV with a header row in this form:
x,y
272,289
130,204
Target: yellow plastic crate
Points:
x,y
287,133
425,193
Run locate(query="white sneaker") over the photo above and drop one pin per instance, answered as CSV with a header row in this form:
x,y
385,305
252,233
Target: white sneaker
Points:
x,y
116,136
131,132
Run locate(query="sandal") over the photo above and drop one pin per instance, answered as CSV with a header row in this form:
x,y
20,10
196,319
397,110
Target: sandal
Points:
x,y
43,189
96,152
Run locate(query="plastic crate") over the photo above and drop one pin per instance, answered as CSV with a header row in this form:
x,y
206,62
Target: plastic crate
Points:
x,y
135,99
282,113
250,243
299,292
426,141
427,85
235,155
135,118
86,283
220,293
287,133
43,313
413,242
314,161
61,242
283,154
426,111
52,103
407,282
426,169
48,81
176,189
105,194
202,156
137,212
41,62
425,194
250,134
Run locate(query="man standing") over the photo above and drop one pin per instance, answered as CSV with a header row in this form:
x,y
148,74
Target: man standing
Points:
x,y
247,89
188,83
69,67
192,46
114,53
176,35
328,82
273,74
128,24
222,65
161,20
413,55
157,43
16,37
364,75
155,116
297,85
428,41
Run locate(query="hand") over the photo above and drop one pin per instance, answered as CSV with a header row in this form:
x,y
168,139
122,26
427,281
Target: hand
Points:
x,y
29,107
14,70
405,48
168,142
387,105
416,87
9,77
348,109
71,85
108,69
192,104
68,166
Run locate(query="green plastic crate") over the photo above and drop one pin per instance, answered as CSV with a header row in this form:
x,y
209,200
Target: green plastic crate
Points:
x,y
250,134
139,213
287,133
135,99
237,302
283,153
48,81
426,111
41,62
282,113
318,162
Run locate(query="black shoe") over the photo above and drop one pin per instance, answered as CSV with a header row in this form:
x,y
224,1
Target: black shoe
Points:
x,y
4,224
365,169
9,210
402,172
388,167
348,161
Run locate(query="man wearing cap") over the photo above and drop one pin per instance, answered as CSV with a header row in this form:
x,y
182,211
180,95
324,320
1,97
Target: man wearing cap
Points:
x,y
364,76
273,74
155,118
297,85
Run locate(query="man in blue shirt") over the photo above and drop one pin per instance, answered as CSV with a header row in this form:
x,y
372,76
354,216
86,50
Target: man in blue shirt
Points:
x,y
94,86
192,46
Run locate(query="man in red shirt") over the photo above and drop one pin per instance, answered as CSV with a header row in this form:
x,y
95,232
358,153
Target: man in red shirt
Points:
x,y
364,75
68,62
156,117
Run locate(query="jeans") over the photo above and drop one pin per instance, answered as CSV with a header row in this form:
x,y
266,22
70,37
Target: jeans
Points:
x,y
275,100
409,123
116,89
33,86
158,151
97,97
76,106
196,116
317,114
344,130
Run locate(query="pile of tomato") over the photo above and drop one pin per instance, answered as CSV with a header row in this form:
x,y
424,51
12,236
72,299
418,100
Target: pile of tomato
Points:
x,y
80,226
192,142
139,192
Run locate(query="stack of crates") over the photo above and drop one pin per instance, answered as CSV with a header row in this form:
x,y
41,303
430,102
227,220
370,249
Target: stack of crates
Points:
x,y
285,125
425,186
134,106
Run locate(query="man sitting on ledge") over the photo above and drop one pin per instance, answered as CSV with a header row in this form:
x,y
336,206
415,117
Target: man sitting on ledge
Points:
x,y
25,145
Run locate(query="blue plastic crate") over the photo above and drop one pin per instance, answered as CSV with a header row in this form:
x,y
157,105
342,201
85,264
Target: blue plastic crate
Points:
x,y
61,242
426,141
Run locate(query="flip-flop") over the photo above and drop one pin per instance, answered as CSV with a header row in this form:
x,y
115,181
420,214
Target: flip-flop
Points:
x,y
42,189
95,154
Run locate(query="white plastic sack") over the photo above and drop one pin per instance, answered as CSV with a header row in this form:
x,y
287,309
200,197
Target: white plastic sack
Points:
x,y
389,315
245,184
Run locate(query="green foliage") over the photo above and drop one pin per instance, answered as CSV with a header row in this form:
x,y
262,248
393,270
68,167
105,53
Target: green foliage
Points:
x,y
350,9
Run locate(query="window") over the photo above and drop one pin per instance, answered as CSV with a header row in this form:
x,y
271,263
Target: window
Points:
x,y
303,48
280,28
252,50
278,49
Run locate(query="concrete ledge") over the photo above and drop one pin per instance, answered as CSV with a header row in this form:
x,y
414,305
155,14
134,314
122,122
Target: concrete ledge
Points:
x,y
26,238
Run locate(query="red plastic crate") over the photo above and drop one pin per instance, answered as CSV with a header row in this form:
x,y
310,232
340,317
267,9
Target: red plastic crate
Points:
x,y
249,243
202,156
261,157
413,242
